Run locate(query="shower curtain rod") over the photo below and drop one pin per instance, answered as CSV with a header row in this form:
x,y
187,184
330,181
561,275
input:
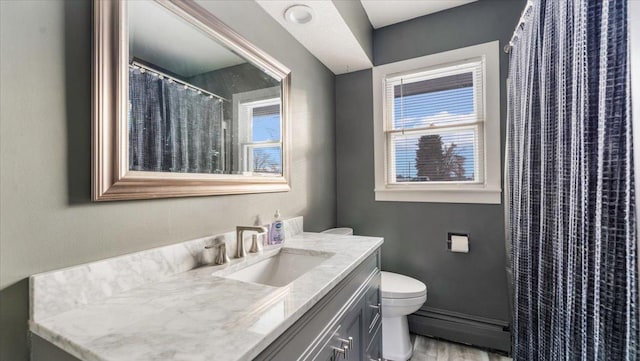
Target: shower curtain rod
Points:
x,y
137,65
507,48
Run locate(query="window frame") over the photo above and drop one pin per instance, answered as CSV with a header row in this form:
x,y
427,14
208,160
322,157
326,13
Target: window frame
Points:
x,y
243,104
489,190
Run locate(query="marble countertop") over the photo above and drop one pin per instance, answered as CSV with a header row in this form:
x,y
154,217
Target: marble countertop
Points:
x,y
199,314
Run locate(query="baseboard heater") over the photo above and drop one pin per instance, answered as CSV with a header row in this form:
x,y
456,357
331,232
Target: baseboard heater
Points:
x,y
481,332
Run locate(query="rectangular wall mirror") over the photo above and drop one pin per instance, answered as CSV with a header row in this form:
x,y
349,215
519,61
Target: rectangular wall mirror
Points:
x,y
183,105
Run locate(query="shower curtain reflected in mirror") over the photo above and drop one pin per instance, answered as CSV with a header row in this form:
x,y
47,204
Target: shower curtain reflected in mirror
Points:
x,y
173,128
571,200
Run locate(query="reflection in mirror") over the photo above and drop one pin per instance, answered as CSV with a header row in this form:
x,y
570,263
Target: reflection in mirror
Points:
x,y
195,106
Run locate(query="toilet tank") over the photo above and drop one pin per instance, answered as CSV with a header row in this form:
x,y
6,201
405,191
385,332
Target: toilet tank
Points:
x,y
342,231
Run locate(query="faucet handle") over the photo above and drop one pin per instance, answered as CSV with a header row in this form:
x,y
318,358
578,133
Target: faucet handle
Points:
x,y
256,246
221,256
217,242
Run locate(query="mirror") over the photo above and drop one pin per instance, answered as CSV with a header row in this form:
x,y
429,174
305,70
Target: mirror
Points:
x,y
194,108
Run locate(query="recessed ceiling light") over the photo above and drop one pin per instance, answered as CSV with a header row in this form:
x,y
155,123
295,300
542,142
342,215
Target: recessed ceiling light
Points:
x,y
299,14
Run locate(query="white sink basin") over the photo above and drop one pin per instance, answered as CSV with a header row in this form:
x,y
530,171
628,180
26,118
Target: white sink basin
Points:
x,y
280,269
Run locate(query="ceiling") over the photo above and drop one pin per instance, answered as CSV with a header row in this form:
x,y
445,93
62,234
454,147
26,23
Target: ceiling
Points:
x,y
159,37
327,36
331,35
387,12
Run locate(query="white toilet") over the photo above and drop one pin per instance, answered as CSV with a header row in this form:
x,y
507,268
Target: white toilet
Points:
x,y
401,296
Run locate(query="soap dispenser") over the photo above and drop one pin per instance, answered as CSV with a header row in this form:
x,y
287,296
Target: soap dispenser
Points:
x,y
276,231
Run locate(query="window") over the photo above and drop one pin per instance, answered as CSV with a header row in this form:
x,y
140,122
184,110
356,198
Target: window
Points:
x,y
437,127
262,150
258,127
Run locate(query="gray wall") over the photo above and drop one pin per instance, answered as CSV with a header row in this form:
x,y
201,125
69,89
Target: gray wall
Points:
x,y
234,79
415,233
47,220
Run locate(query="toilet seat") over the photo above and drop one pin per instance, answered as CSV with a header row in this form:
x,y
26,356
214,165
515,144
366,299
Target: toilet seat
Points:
x,y
345,231
404,302
397,286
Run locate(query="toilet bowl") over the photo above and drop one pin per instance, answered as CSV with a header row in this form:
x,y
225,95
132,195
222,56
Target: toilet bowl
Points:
x,y
401,296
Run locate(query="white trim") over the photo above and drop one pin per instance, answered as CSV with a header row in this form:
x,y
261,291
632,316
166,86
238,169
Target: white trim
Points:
x,y
489,191
440,195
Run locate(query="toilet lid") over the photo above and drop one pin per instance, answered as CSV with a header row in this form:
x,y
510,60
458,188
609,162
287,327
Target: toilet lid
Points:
x,y
343,231
394,285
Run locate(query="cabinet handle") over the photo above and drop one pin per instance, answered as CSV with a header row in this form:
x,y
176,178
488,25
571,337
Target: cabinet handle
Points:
x,y
348,341
344,351
375,307
375,359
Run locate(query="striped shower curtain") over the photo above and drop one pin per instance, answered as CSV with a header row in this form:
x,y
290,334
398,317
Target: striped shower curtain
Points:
x,y
571,202
172,128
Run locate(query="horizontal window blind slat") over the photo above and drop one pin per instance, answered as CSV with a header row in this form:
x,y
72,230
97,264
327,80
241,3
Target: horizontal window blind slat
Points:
x,y
431,128
266,110
263,144
470,65
437,84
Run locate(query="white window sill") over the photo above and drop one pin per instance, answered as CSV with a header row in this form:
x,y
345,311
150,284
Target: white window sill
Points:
x,y
485,196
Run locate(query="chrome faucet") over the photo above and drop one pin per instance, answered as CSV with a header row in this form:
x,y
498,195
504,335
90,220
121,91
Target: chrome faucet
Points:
x,y
240,249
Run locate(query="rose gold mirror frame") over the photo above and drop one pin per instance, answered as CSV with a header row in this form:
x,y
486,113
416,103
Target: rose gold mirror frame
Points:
x,y
111,178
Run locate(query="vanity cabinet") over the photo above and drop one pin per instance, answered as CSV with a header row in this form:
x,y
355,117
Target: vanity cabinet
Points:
x,y
343,325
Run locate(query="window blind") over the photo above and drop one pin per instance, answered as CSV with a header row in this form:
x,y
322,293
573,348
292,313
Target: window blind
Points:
x,y
434,125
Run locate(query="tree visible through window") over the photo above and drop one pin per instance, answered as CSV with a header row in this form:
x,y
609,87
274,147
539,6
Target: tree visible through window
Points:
x,y
438,162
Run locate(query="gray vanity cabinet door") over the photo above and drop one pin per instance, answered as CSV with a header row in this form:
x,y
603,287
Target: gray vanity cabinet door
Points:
x,y
326,350
372,309
374,352
348,333
352,324
328,354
